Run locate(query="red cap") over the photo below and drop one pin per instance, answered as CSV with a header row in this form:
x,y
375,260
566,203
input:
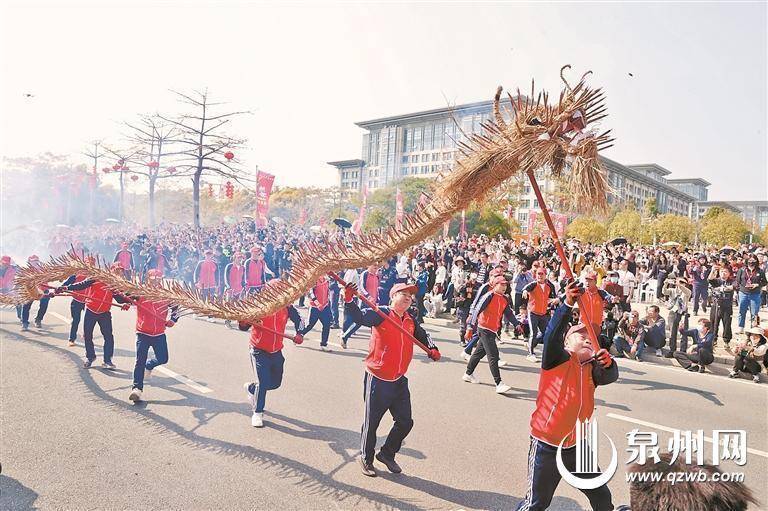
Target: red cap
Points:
x,y
33,257
498,279
496,272
154,273
592,275
5,260
408,288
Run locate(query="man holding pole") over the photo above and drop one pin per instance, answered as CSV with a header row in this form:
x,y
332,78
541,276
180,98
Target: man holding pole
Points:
x,y
393,334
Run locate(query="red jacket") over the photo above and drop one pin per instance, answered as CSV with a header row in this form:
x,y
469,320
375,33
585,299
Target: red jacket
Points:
x,y
78,296
267,341
99,297
206,274
6,279
234,275
319,293
390,352
254,272
151,316
539,296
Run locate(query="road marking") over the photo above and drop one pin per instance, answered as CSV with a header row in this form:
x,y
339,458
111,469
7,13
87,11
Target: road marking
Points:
x,y
161,369
671,430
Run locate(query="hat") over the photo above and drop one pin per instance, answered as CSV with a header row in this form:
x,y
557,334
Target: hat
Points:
x,y
154,273
756,330
495,272
5,260
497,280
459,258
256,249
408,288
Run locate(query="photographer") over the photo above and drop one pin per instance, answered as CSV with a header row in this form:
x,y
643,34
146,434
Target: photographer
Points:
x,y
722,303
631,336
749,353
700,354
679,295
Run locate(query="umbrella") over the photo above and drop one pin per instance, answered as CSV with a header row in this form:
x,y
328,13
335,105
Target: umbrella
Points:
x,y
343,223
618,241
727,249
315,228
63,226
250,217
112,220
670,244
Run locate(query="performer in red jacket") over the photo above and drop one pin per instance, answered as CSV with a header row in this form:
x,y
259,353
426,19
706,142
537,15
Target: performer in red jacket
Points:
x,y
77,305
386,388
320,310
124,256
571,368
207,275
97,305
267,357
151,321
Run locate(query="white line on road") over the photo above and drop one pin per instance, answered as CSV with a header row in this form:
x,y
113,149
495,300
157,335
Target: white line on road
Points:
x,y
671,430
161,369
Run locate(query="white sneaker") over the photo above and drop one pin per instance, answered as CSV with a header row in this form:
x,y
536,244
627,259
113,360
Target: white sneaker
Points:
x,y
257,420
251,397
756,379
659,353
532,358
502,363
465,355
502,388
135,395
470,378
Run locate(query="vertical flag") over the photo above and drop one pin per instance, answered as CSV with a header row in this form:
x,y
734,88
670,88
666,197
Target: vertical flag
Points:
x,y
357,226
423,199
399,212
463,228
264,183
531,223
560,221
446,226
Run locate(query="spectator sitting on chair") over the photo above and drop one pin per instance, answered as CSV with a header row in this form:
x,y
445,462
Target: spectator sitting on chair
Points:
x,y
631,336
700,354
749,353
655,329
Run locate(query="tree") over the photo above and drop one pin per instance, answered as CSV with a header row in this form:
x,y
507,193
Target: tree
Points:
x,y
626,223
674,228
725,228
588,229
119,159
94,155
650,208
153,137
204,147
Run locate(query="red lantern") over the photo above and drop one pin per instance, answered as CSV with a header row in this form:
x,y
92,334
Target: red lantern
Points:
x,y
210,190
229,190
229,155
134,177
171,170
106,170
116,166
124,168
153,164
120,162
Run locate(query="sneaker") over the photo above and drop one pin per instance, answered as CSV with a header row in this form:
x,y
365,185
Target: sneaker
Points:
x,y
108,365
24,327
465,356
502,363
228,323
325,348
470,378
251,396
211,320
366,467
733,374
257,420
702,369
532,358
344,344
38,323
659,353
71,344
502,388
390,463
87,363
756,378
693,368
135,395
638,359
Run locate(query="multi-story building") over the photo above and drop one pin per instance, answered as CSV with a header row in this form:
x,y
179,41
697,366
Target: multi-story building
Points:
x,y
423,144
754,213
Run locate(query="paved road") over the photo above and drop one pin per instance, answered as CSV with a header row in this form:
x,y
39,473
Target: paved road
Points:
x,y
71,439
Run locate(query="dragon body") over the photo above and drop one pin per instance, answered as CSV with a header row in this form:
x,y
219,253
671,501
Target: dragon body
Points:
x,y
534,134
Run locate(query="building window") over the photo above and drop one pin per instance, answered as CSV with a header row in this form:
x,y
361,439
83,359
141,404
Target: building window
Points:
x,y
424,157
433,168
435,156
404,159
535,203
414,158
525,203
522,216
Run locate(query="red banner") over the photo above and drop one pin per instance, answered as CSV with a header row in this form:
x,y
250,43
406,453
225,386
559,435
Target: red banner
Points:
x,y
399,211
357,225
532,215
560,221
264,183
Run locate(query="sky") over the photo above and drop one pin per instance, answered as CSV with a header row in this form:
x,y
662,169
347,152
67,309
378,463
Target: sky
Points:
x,y
696,103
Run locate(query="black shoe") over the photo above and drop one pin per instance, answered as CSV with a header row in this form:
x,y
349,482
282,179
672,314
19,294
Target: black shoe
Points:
x,y
390,463
638,359
693,368
335,326
365,467
24,327
87,364
668,354
38,323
